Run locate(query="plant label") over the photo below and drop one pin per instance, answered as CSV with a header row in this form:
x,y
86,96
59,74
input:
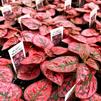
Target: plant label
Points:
x,y
22,17
70,92
17,54
13,0
4,2
39,3
6,10
92,19
27,2
81,2
68,4
56,35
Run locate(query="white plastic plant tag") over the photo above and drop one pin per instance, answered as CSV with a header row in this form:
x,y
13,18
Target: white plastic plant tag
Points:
x,y
21,17
4,2
70,92
57,35
39,3
68,4
27,2
92,19
13,0
6,10
81,2
17,54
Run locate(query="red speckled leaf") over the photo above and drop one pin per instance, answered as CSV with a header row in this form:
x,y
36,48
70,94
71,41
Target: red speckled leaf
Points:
x,y
98,25
92,40
68,40
4,61
82,10
59,50
79,38
92,63
53,76
11,33
3,33
9,91
27,46
95,53
34,58
42,42
63,64
28,72
16,99
49,52
38,91
75,47
32,24
78,21
80,49
44,30
54,96
27,36
66,86
86,17
95,97
89,32
87,85
10,42
6,74
2,18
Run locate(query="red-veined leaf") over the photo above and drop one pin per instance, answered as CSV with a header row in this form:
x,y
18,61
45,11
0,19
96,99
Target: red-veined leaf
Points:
x,y
87,83
28,72
35,58
27,36
59,50
54,96
66,86
63,64
3,32
92,63
89,32
79,38
10,42
4,61
9,91
11,33
38,91
95,97
6,74
32,24
95,53
53,76
42,41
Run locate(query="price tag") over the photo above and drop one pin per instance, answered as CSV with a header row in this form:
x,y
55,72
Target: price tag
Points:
x,y
92,19
70,92
68,4
57,35
21,17
17,54
6,10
